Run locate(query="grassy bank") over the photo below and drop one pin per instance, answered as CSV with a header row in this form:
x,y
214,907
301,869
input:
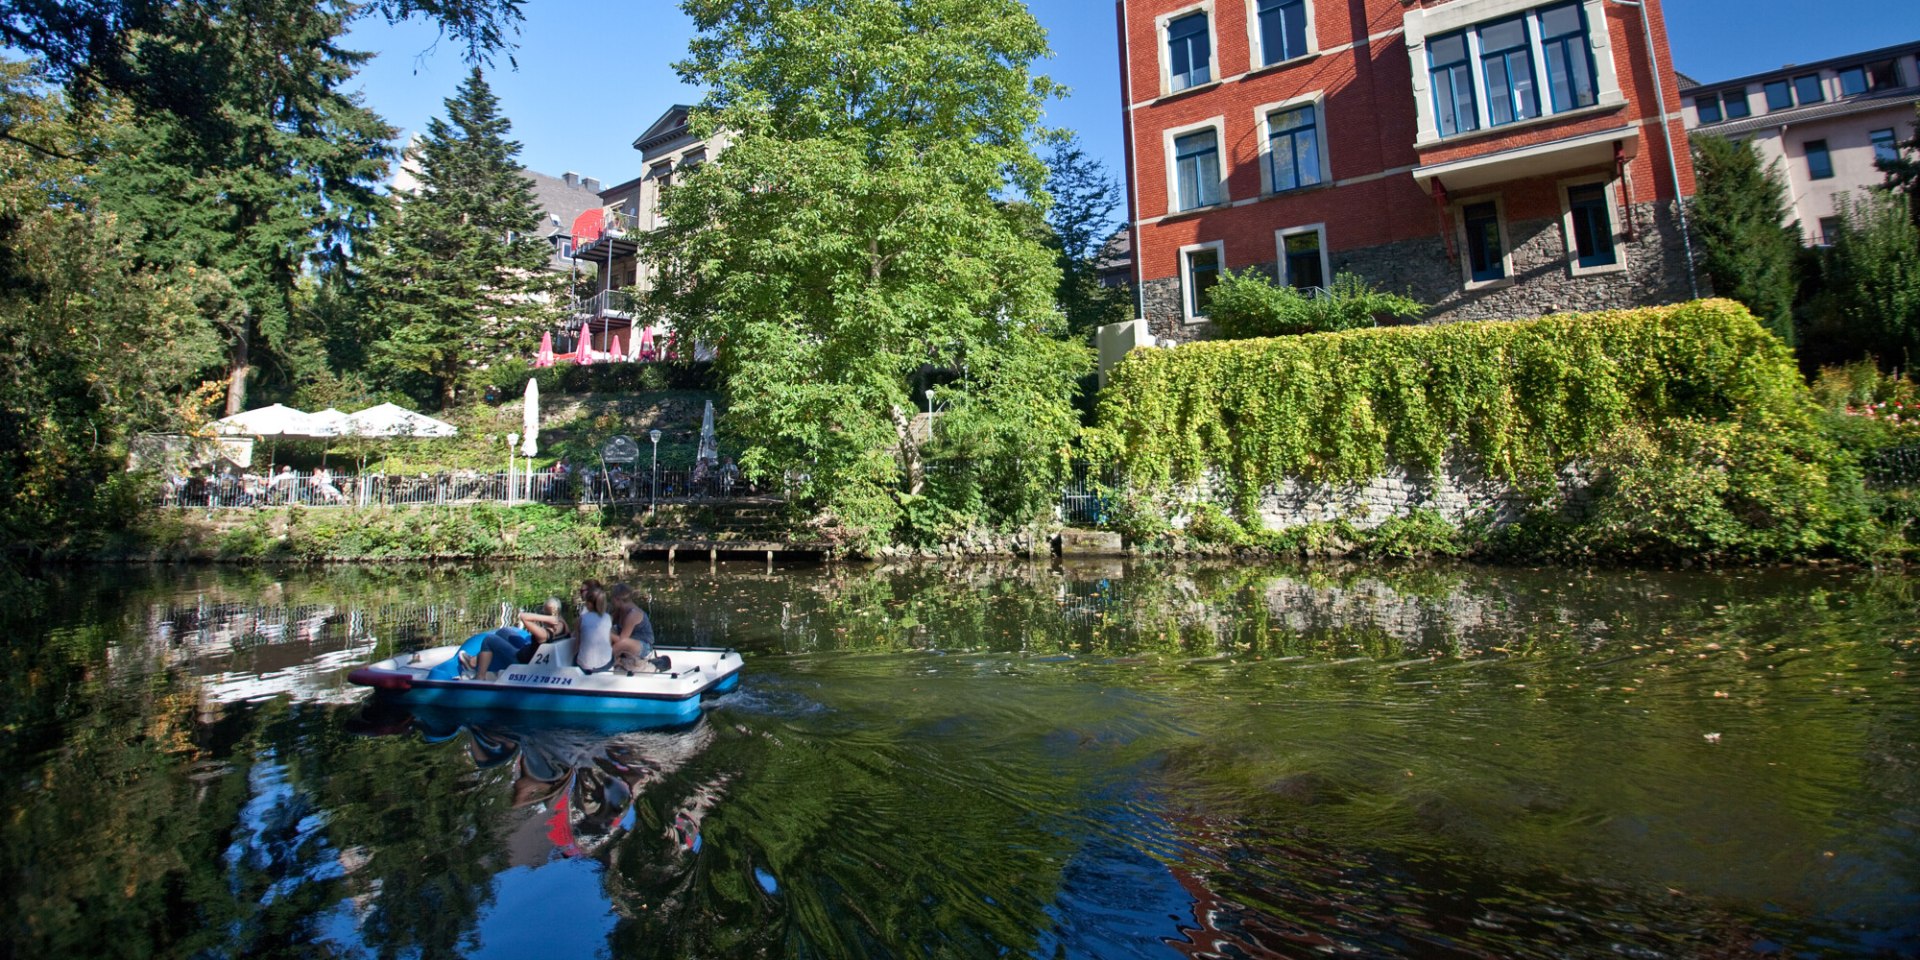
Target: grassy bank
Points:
x,y
296,535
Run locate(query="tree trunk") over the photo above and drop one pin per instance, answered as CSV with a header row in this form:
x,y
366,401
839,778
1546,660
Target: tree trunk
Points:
x,y
909,451
239,365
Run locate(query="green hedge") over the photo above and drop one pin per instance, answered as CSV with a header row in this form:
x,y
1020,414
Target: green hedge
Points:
x,y
1697,393
511,377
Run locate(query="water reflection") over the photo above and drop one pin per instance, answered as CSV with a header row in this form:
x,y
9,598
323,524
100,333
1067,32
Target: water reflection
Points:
x,y
1096,760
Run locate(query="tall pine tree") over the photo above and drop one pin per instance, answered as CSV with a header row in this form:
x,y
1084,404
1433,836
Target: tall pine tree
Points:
x,y
458,277
1747,246
272,177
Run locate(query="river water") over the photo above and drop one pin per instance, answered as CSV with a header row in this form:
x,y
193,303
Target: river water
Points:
x,y
1104,761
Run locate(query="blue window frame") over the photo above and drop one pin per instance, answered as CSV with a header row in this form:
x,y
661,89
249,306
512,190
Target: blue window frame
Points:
x,y
1283,30
1592,219
1203,273
1563,39
1304,271
1779,95
1189,51
1506,60
1819,160
1486,256
1886,145
1454,109
1293,148
1197,169
1808,89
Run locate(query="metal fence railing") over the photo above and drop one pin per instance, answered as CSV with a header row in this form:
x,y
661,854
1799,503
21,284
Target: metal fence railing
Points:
x,y
325,489
1086,498
1894,466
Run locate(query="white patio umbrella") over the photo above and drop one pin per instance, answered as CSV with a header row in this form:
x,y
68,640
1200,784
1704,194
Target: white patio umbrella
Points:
x,y
278,420
331,423
530,420
393,420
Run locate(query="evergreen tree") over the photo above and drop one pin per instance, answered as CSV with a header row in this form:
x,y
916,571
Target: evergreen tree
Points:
x,y
1870,295
458,276
1903,172
272,179
1084,199
1747,246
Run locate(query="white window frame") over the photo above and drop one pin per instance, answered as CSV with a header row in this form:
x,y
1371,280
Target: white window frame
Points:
x,y
1160,24
1219,127
1612,186
1219,247
1421,23
1261,116
1258,60
1506,242
1280,252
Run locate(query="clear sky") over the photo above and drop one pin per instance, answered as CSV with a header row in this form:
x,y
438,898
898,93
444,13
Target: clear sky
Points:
x,y
592,74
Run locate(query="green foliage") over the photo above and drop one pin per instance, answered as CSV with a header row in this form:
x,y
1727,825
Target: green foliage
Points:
x,y
1248,304
511,377
1083,200
458,275
854,235
1694,414
476,532
1870,278
1737,213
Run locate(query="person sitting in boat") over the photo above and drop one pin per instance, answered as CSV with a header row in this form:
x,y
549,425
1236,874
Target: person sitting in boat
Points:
x,y
508,645
633,632
594,628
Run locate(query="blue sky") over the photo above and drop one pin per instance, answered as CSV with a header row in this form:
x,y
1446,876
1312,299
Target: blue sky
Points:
x,y
593,73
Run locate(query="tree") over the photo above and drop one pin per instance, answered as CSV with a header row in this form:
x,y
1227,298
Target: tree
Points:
x,y
458,275
853,235
1249,304
1083,200
1903,172
1747,246
94,344
273,180
1871,277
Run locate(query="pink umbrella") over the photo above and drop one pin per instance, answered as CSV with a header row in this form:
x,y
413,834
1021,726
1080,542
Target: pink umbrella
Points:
x,y
584,355
614,352
545,357
646,350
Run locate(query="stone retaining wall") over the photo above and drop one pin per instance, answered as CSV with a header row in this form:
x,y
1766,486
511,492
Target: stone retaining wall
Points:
x,y
1461,492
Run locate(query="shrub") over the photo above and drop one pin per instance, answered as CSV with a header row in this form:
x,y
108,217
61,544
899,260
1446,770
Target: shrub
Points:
x,y
1247,304
512,376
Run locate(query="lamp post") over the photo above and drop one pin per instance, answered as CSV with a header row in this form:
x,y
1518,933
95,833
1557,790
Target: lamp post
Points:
x,y
929,408
513,440
654,505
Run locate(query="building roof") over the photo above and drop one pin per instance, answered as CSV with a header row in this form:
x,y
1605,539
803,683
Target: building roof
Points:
x,y
1866,103
672,125
561,201
1686,82
1883,53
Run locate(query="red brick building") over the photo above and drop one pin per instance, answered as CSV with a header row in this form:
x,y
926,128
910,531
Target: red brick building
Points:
x,y
1496,158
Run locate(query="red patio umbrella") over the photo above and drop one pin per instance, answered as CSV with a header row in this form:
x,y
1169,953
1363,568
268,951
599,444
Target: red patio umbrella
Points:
x,y
646,351
614,352
545,357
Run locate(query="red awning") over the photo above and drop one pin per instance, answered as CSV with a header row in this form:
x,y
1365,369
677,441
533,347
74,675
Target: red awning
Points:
x,y
588,227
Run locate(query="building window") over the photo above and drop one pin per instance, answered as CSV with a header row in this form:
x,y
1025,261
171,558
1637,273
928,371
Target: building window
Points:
x,y
1486,254
1200,268
1189,51
1886,148
1293,148
1196,161
1819,161
1590,220
1829,231
1708,108
1563,37
1303,258
1779,95
1869,77
1736,104
1853,81
1808,89
1453,104
566,249
1506,61
1283,30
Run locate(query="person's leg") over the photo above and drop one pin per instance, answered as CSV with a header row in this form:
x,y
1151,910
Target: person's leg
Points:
x,y
495,649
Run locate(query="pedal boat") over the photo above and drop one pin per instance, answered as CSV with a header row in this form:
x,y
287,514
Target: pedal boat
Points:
x,y
553,684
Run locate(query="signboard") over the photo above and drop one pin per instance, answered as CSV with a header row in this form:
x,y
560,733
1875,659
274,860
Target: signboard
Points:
x,y
620,450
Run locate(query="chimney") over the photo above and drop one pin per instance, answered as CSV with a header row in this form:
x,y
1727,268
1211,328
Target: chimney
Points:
x,y
572,179
591,184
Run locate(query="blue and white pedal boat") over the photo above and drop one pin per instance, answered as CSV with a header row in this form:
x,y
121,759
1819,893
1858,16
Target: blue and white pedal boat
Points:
x,y
553,684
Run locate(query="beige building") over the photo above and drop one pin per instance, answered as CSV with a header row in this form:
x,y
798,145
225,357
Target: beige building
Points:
x,y
1829,122
604,237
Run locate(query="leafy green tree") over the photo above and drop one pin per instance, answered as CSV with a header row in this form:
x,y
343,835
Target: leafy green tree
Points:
x,y
1084,198
1748,247
1903,172
1249,304
1871,277
458,276
852,235
94,344
273,180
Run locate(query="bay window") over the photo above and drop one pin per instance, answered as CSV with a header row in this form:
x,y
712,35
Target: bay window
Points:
x,y
1514,57
1453,104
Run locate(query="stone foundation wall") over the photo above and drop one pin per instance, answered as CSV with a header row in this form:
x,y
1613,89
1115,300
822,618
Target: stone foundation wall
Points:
x,y
1542,284
1461,491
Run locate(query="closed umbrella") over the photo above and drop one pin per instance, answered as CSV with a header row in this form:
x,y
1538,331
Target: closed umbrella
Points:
x,y
646,349
544,358
614,352
709,442
530,420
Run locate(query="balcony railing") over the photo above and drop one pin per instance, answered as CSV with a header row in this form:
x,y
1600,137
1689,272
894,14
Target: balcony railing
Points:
x,y
608,303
